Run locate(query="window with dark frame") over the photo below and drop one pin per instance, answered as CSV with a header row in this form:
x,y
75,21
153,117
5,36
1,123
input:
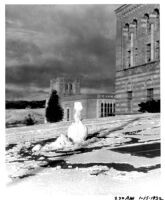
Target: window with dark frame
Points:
x,y
150,94
157,50
129,97
101,109
129,58
68,114
148,52
105,110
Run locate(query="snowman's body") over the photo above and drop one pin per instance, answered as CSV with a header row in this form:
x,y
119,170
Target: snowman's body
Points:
x,y
77,132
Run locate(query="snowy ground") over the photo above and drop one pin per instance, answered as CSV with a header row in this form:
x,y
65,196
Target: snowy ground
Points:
x,y
121,154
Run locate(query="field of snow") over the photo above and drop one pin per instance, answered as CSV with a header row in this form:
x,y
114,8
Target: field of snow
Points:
x,y
120,151
16,117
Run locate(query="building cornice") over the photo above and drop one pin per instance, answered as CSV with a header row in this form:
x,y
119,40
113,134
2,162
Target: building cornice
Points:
x,y
127,9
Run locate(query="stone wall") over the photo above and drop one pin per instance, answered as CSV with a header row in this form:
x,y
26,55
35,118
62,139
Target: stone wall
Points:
x,y
137,68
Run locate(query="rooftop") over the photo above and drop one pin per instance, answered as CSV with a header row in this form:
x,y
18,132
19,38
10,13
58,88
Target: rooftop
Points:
x,y
88,96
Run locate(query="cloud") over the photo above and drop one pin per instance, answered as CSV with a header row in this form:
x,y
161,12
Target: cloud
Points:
x,y
47,41
31,92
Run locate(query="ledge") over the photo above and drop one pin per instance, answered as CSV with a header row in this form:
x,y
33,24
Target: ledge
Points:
x,y
137,66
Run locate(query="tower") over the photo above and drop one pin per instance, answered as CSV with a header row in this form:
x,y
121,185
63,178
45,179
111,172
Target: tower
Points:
x,y
65,86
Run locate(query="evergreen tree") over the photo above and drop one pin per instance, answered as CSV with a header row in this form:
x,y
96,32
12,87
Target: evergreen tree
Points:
x,y
54,111
152,106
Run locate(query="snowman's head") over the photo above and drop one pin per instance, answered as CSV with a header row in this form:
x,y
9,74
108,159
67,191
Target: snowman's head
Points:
x,y
78,106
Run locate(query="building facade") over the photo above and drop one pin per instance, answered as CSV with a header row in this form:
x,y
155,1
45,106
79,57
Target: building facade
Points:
x,y
137,56
94,105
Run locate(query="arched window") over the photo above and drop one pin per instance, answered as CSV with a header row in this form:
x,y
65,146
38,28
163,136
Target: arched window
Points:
x,y
135,23
157,22
148,26
126,30
125,45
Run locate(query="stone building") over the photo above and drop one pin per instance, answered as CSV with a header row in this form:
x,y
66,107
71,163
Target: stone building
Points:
x,y
137,56
94,105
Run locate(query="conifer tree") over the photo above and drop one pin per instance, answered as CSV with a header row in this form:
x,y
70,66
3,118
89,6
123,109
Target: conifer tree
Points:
x,y
54,111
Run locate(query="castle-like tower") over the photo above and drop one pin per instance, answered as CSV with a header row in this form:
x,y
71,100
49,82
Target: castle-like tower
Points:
x,y
137,56
94,105
65,86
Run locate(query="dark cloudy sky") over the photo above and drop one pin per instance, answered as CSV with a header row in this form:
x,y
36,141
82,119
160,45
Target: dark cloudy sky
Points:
x,y
46,41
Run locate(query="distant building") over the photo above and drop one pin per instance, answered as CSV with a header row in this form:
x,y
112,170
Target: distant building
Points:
x,y
94,105
137,56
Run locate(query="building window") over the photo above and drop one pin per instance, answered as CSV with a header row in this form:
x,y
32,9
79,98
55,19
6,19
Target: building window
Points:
x,y
135,25
148,52
157,22
66,87
105,110
136,56
129,58
150,94
152,42
111,109
148,26
129,96
70,87
157,50
102,109
125,31
131,53
67,114
114,109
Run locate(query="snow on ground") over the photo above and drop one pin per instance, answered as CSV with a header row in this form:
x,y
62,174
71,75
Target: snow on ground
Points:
x,y
123,152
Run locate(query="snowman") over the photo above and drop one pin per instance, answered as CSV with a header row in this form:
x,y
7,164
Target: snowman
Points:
x,y
77,131
76,134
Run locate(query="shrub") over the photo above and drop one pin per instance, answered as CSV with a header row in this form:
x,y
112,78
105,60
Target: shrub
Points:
x,y
54,111
152,106
29,120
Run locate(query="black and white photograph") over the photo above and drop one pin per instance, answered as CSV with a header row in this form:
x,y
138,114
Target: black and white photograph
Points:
x,y
83,101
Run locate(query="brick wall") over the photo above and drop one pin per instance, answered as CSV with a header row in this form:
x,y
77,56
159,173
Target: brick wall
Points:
x,y
142,74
